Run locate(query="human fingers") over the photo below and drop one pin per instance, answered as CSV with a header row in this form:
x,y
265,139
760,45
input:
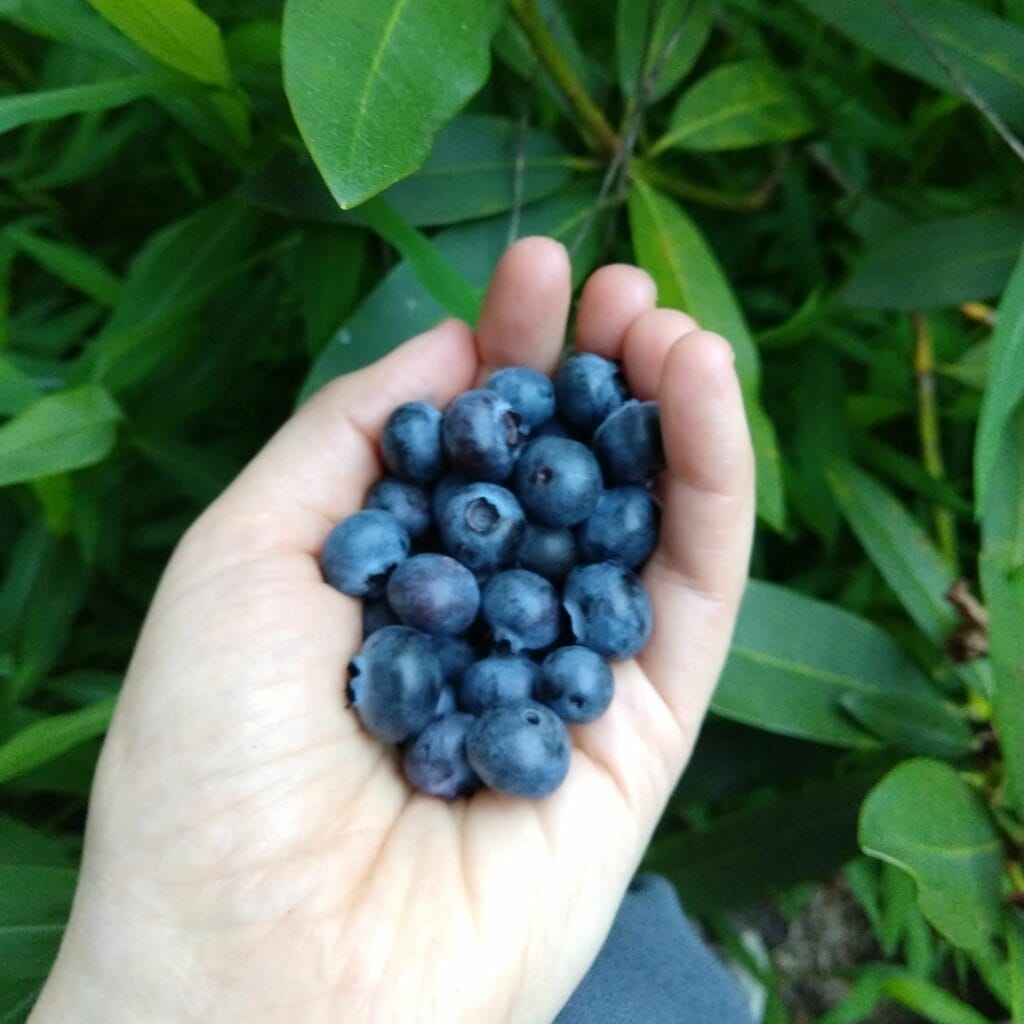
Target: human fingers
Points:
x,y
698,572
612,298
524,314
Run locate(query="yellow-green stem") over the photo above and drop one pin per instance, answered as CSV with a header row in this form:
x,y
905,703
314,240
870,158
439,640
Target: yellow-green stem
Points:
x,y
593,121
931,442
741,202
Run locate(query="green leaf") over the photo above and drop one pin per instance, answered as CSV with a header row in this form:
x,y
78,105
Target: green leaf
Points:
x,y
17,389
175,32
928,1000
687,22
50,104
671,249
749,103
444,283
1002,584
52,736
744,856
64,431
470,173
999,477
73,266
22,844
912,724
34,905
328,272
939,263
858,1004
923,818
168,282
984,50
400,306
794,658
371,85
1015,950
899,548
1005,390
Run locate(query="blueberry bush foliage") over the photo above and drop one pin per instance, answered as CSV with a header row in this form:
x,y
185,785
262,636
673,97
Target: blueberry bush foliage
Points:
x,y
209,209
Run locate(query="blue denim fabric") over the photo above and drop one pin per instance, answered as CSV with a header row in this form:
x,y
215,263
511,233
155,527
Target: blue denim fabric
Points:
x,y
654,969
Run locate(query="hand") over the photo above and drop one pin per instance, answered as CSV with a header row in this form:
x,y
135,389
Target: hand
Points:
x,y
253,855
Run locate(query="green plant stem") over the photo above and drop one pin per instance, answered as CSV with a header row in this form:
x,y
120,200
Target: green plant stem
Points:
x,y
931,443
561,72
742,202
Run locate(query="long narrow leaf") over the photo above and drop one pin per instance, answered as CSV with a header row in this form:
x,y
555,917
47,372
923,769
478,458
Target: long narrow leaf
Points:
x,y
52,736
50,104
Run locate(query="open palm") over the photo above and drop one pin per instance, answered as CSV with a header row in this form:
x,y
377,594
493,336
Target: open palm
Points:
x,y
253,855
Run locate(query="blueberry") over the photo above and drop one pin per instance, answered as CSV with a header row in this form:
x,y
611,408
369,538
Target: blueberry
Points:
x,y
622,528
361,551
482,526
522,610
435,761
550,428
481,435
455,656
587,389
547,550
447,702
628,444
522,750
576,683
497,680
395,683
408,503
434,594
529,392
411,442
609,609
377,615
446,488
557,481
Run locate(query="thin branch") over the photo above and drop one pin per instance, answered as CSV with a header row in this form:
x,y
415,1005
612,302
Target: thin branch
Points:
x,y
928,427
561,72
615,178
742,202
519,172
980,103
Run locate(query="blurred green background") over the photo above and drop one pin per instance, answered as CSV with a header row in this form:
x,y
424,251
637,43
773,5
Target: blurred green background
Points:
x,y
209,210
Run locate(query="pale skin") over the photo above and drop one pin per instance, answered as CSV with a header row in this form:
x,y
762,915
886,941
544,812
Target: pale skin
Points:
x,y
253,855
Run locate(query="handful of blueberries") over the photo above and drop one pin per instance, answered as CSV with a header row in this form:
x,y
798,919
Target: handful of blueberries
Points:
x,y
497,565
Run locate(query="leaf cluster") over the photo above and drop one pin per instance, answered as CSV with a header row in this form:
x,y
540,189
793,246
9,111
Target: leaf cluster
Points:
x,y
211,209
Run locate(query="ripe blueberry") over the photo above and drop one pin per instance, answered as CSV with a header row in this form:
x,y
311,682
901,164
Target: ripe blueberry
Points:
x,y
587,389
622,528
522,749
395,683
408,503
557,481
548,551
609,609
435,761
434,594
362,550
522,610
481,435
411,442
482,526
576,683
628,444
497,680
529,392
